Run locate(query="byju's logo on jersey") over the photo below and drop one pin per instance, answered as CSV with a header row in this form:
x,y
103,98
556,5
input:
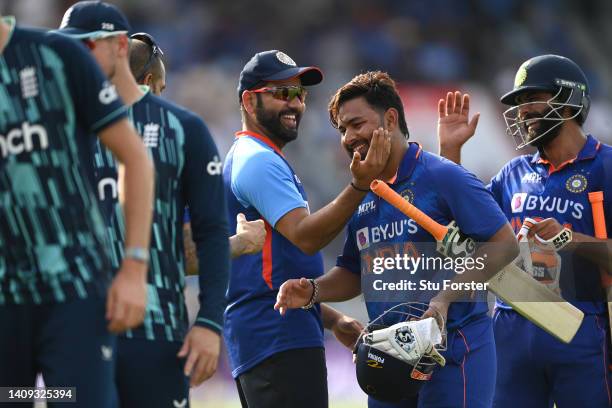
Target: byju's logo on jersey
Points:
x,y
108,93
19,140
214,167
542,204
385,232
365,208
532,177
150,135
576,183
362,238
29,82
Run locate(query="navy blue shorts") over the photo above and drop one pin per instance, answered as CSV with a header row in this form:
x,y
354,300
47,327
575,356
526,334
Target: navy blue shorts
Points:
x,y
149,374
67,342
537,370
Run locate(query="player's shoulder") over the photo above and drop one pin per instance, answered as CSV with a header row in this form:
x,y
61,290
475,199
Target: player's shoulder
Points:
x,y
516,164
605,150
249,156
184,115
441,169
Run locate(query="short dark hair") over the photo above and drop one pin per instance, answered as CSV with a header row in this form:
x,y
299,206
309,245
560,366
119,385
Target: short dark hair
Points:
x,y
379,91
140,53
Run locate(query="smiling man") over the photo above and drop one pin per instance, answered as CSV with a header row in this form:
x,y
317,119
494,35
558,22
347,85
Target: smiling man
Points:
x,y
548,105
274,357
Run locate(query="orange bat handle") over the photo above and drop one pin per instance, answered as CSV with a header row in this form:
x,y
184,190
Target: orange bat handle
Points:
x,y
599,222
381,189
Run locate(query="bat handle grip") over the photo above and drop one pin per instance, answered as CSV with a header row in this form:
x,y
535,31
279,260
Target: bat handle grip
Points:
x,y
599,223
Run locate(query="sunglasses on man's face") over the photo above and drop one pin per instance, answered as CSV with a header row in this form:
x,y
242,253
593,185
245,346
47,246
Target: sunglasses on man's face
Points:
x,y
284,93
156,52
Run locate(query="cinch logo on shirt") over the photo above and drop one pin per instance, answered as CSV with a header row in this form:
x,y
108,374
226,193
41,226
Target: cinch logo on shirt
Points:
x,y
20,140
525,202
532,177
366,208
102,187
383,232
108,93
214,167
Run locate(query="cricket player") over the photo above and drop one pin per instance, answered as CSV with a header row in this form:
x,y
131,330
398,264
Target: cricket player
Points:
x,y
188,173
548,106
445,192
146,62
279,360
56,309
148,68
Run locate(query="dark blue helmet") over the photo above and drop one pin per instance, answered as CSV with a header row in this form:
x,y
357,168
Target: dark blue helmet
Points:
x,y
568,87
554,74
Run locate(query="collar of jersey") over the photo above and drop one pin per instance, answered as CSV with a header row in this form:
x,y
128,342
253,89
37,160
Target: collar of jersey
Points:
x,y
10,20
588,151
408,163
264,139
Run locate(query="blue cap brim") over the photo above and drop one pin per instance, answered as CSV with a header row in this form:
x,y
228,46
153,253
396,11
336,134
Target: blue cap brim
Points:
x,y
308,75
79,33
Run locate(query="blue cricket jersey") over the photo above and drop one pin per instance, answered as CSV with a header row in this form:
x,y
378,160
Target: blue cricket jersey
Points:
x,y
442,190
529,186
261,184
53,99
187,173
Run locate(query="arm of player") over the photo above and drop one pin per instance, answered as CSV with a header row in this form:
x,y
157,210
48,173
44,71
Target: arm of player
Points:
x,y
311,232
595,250
346,329
454,129
337,285
204,195
127,296
249,239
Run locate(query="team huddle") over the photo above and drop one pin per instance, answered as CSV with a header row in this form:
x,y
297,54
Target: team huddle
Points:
x,y
109,193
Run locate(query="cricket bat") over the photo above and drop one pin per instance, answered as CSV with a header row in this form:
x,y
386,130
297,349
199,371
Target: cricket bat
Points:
x,y
596,199
548,311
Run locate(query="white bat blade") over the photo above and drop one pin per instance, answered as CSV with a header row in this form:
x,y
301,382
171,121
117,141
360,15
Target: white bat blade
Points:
x,y
537,303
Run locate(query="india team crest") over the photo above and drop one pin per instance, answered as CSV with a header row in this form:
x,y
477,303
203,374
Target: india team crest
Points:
x,y
408,195
576,183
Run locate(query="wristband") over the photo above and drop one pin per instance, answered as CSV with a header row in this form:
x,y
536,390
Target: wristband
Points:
x,y
560,240
137,254
315,294
359,189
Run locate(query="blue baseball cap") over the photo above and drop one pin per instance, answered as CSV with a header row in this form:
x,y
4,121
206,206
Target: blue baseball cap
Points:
x,y
93,19
275,65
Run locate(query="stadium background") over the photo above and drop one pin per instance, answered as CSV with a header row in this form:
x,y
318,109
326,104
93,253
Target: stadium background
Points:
x,y
428,46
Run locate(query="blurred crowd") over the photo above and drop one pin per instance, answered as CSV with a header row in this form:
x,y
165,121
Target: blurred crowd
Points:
x,y
428,46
